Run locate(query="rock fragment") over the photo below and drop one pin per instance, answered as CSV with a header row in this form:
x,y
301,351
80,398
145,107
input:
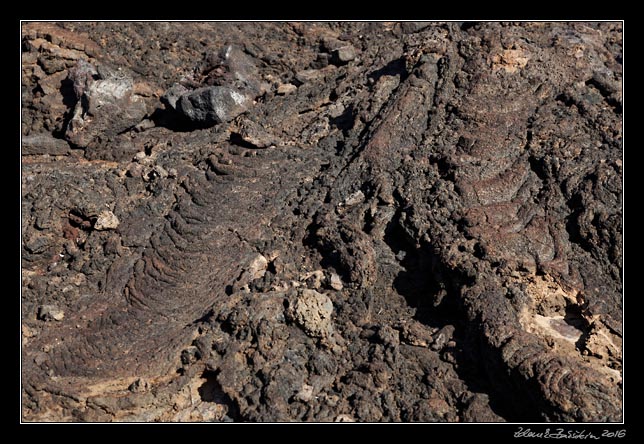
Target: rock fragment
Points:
x,y
27,334
173,94
312,311
233,84
314,279
354,199
416,334
257,267
335,282
82,77
106,221
442,337
50,313
105,107
213,104
43,143
286,88
305,394
343,55
344,418
255,134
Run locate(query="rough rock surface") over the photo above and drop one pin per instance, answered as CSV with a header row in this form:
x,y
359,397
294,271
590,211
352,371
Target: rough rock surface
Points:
x,y
106,106
395,222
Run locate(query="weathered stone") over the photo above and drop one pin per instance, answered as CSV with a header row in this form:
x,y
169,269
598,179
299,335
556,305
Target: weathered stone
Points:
x,y
335,282
213,104
257,267
442,337
173,94
50,313
286,88
106,220
106,108
255,134
82,76
243,73
43,143
312,311
305,394
343,55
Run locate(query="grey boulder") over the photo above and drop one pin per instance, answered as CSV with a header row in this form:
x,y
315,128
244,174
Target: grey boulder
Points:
x,y
213,104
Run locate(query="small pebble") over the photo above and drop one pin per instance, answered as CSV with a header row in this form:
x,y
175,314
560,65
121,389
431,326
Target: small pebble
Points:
x,y
305,394
106,221
286,88
335,282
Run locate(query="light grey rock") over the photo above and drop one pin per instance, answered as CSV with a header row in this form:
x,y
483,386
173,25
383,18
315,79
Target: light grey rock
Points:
x,y
50,313
106,108
343,55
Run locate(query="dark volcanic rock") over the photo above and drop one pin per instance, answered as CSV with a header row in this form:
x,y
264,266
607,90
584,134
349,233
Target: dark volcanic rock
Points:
x,y
427,228
43,143
236,81
213,104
